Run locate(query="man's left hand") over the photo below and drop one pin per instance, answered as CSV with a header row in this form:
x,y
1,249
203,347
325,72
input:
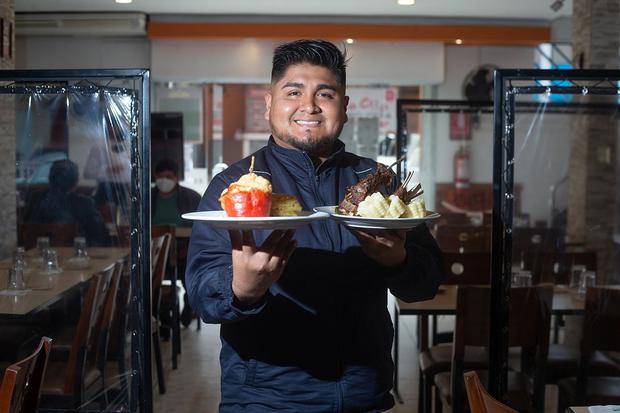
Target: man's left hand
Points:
x,y
386,247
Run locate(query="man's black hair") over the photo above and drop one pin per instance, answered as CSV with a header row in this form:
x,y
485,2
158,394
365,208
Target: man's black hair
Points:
x,y
314,52
63,175
167,164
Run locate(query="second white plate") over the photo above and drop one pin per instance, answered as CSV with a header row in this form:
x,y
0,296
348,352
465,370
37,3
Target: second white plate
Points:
x,y
219,219
376,223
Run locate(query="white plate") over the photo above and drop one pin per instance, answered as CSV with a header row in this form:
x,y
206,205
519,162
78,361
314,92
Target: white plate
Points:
x,y
219,219
376,223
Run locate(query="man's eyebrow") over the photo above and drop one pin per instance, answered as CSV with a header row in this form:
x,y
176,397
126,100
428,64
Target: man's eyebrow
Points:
x,y
293,84
300,85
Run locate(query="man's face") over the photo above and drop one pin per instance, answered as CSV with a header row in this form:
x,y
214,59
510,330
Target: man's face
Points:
x,y
307,109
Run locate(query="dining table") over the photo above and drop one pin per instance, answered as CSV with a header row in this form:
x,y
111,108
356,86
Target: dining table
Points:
x,y
566,301
44,289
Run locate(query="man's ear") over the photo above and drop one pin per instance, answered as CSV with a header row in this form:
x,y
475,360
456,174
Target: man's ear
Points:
x,y
346,106
267,105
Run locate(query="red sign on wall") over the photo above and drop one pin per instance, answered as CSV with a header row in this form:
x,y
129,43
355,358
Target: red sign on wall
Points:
x,y
460,126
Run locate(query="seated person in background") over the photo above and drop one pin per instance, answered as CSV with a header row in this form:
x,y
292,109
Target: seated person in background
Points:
x,y
60,204
169,201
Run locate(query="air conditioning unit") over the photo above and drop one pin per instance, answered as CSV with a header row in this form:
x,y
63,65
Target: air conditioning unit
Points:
x,y
80,24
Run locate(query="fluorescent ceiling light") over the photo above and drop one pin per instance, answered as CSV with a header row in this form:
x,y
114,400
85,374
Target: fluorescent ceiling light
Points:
x,y
406,2
123,1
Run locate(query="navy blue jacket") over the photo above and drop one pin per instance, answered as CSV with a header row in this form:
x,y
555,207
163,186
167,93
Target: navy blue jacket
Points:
x,y
320,340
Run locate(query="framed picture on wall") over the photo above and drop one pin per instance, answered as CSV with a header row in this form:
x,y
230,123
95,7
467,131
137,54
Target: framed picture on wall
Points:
x,y
460,126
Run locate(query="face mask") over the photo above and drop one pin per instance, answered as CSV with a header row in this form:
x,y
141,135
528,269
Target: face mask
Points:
x,y
165,185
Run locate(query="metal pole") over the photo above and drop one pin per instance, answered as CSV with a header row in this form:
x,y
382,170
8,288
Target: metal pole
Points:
x,y
501,246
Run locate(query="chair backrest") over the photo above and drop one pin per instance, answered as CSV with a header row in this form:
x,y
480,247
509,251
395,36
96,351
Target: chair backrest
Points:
x,y
480,401
118,327
464,239
60,235
159,259
84,340
159,230
467,268
530,317
102,330
554,267
21,384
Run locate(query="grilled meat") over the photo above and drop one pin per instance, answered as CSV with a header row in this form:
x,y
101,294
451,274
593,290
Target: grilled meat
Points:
x,y
366,186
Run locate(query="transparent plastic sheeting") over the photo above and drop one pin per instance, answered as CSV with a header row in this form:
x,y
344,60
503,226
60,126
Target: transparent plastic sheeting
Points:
x,y
566,235
73,183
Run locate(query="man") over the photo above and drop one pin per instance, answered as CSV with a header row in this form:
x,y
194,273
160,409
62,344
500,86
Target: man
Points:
x,y
169,201
305,325
61,204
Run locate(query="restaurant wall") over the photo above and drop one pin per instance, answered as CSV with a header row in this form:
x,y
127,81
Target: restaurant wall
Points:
x,y
550,143
249,61
69,52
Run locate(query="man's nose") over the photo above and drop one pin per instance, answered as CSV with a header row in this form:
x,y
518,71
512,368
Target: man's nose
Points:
x,y
308,105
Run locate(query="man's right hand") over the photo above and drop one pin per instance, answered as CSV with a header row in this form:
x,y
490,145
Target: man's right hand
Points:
x,y
255,269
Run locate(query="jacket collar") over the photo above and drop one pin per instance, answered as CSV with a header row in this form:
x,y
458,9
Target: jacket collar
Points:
x,y
295,159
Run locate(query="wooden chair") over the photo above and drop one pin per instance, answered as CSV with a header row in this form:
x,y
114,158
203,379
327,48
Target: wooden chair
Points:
x,y
77,375
480,401
159,257
464,239
530,312
60,235
119,342
169,311
600,333
21,385
461,269
101,336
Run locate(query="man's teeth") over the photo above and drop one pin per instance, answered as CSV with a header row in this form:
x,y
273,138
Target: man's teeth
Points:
x,y
307,122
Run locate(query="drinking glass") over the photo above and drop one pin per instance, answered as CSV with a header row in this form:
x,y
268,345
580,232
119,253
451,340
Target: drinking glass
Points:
x,y
79,246
587,280
50,262
16,279
521,279
575,275
43,244
19,257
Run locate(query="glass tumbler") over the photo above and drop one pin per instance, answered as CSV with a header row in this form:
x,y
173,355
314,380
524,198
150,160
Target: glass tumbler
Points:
x,y
79,247
43,244
50,262
587,280
16,279
575,275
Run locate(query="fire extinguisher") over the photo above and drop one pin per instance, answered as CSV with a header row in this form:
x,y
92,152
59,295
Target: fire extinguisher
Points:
x,y
461,169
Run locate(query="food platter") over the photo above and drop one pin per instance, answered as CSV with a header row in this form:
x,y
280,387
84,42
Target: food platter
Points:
x,y
375,223
219,219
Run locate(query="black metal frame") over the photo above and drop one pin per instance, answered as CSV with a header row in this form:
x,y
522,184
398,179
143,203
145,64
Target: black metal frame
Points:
x,y
142,397
508,84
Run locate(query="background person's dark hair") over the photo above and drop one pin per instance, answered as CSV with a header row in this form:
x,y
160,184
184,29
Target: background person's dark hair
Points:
x,y
63,175
315,52
167,164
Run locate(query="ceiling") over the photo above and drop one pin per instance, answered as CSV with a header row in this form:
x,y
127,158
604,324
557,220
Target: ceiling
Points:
x,y
467,9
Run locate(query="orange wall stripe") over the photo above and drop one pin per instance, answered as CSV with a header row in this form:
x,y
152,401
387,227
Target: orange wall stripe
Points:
x,y
469,34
